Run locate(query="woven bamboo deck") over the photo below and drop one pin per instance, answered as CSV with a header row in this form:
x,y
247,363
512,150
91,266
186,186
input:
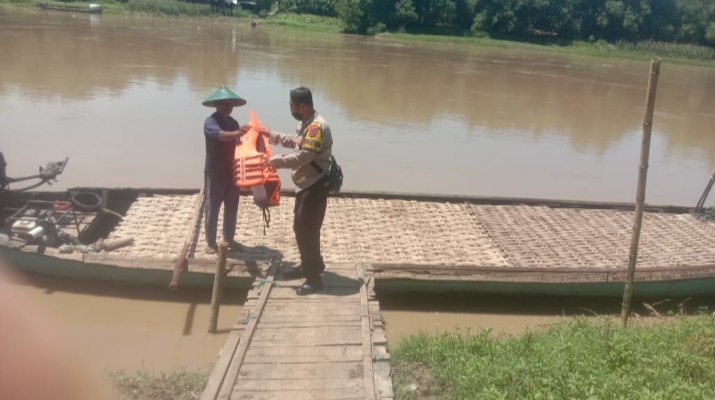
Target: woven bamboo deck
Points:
x,y
328,345
403,232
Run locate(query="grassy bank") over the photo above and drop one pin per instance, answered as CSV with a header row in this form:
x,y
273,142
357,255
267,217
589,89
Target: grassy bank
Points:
x,y
574,360
680,53
179,384
109,6
577,359
312,23
176,8
172,8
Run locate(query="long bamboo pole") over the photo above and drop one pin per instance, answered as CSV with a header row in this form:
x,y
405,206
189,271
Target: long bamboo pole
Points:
x,y
704,196
187,242
640,194
218,286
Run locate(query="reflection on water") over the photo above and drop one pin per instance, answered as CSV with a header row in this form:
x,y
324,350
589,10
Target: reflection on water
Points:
x,y
407,315
121,96
134,327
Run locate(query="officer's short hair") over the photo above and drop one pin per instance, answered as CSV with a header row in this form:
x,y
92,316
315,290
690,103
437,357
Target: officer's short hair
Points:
x,y
302,95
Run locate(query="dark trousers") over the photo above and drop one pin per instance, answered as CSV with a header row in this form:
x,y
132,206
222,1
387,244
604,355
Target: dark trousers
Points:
x,y
310,205
220,190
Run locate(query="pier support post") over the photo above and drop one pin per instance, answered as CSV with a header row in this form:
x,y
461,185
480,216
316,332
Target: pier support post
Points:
x,y
640,193
218,286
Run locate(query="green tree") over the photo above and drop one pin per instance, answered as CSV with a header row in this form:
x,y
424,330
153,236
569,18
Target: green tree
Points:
x,y
405,13
710,33
433,12
316,7
351,14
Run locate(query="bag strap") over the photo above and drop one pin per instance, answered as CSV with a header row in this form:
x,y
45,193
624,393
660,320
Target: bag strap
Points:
x,y
316,166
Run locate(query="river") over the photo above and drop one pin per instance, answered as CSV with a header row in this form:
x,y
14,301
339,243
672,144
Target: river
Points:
x,y
120,326
121,97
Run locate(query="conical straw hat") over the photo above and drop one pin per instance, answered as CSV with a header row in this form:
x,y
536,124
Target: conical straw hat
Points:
x,y
224,93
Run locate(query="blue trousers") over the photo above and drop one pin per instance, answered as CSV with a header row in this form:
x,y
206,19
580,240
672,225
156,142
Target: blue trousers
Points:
x,y
218,191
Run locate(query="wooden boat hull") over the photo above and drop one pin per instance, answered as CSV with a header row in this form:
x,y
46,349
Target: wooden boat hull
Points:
x,y
149,274
25,262
658,289
71,9
694,280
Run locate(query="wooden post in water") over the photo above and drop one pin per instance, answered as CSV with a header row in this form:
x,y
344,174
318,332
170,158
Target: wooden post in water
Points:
x,y
218,286
640,193
187,242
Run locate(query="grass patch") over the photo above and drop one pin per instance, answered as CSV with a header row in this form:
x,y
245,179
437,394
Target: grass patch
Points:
x,y
573,360
677,52
179,384
108,6
176,8
169,7
305,21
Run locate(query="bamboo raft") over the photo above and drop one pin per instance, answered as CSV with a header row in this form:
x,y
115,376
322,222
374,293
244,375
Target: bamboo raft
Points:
x,y
328,345
413,242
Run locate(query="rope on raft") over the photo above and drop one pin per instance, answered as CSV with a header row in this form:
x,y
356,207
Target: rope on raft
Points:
x,y
266,219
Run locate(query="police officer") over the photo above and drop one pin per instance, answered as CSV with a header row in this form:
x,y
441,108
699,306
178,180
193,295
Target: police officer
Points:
x,y
221,132
312,144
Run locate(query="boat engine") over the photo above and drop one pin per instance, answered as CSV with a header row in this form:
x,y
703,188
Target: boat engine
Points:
x,y
45,176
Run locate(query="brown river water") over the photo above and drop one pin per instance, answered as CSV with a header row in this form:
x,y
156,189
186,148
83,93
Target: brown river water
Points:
x,y
121,97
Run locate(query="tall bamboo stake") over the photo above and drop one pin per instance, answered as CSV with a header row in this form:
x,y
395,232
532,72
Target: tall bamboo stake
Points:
x,y
218,286
640,194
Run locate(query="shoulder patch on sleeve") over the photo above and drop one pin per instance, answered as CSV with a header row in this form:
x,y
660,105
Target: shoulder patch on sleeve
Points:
x,y
314,129
314,137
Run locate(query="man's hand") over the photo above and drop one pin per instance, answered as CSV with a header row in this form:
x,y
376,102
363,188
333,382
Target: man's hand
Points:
x,y
243,130
266,162
224,136
265,131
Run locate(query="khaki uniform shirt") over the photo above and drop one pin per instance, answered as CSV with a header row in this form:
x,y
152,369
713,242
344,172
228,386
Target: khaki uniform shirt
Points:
x,y
312,141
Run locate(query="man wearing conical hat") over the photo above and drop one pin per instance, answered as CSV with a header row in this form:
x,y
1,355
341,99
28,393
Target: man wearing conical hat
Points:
x,y
221,132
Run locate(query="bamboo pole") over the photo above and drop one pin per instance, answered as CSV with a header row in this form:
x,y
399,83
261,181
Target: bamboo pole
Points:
x,y
218,286
640,193
704,196
187,242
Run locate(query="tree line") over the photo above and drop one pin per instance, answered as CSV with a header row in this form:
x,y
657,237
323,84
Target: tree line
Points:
x,y
682,21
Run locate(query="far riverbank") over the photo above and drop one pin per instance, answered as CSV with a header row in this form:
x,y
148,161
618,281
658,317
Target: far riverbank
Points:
x,y
642,50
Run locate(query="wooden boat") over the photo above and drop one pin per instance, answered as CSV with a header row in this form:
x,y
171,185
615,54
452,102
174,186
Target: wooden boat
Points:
x,y
91,9
415,243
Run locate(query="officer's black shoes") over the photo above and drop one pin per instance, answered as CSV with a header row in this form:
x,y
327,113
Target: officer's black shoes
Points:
x,y
293,273
234,245
311,285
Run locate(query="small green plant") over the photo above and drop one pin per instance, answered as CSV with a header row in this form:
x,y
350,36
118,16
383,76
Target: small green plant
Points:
x,y
179,384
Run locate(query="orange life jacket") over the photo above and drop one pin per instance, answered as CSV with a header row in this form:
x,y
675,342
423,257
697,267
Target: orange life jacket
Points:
x,y
251,152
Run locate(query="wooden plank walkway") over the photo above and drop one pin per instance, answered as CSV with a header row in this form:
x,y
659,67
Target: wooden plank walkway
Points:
x,y
328,345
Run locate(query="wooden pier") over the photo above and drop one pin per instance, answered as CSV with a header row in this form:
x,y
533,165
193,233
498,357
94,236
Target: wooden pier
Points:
x,y
327,345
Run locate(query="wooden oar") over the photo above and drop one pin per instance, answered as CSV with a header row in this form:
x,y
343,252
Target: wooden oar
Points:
x,y
187,242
